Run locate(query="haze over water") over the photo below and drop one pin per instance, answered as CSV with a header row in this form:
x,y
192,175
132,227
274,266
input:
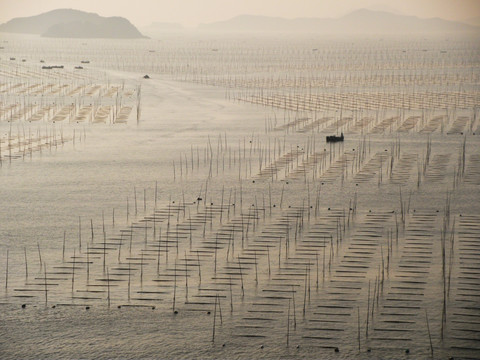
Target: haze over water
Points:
x,y
200,212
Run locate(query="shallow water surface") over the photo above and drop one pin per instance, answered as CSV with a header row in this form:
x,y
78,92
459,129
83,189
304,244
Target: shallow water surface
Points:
x,y
216,222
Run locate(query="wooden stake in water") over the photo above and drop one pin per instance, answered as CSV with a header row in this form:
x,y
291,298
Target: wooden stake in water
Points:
x,y
45,284
26,263
429,335
293,308
39,255
127,209
108,289
73,270
241,276
368,309
174,285
305,293
135,198
281,197
220,309
231,296
279,252
91,229
216,247
141,269
6,274
214,319
88,263
63,250
129,278
79,234
323,263
158,250
199,269
358,326
156,192
186,278
268,258
374,297
288,322
256,269
104,250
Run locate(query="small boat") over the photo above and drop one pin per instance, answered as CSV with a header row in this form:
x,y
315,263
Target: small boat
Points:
x,y
335,138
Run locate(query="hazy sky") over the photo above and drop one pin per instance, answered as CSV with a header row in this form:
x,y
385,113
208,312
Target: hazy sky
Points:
x,y
192,12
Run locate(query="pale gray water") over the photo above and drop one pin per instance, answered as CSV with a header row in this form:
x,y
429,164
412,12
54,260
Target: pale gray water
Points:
x,y
285,235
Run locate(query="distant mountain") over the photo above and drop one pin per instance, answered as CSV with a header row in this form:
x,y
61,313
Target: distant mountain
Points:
x,y
360,21
69,23
252,23
160,28
385,8
373,21
475,21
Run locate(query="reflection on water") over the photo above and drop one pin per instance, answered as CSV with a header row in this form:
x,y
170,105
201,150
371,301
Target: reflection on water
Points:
x,y
200,213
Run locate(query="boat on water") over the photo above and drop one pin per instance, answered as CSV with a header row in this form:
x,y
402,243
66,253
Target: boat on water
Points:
x,y
335,138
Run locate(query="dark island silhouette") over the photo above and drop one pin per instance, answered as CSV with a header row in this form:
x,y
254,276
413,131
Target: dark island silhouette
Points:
x,y
70,23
